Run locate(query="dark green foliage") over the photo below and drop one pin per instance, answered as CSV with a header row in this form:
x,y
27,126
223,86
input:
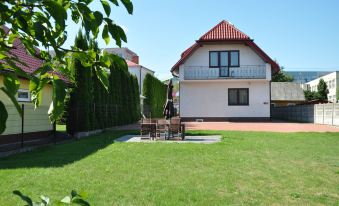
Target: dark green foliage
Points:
x,y
322,90
155,92
81,97
320,94
281,76
92,107
310,95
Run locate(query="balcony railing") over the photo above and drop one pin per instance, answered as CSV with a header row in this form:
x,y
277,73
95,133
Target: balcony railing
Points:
x,y
242,72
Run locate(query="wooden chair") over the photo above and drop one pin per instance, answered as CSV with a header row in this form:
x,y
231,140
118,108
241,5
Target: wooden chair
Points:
x,y
148,129
177,128
162,128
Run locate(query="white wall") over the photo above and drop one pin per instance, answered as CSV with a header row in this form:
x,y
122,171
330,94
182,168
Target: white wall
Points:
x,y
201,56
210,99
332,81
136,71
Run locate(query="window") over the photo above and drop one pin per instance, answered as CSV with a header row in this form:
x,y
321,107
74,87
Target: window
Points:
x,y
224,59
238,96
23,95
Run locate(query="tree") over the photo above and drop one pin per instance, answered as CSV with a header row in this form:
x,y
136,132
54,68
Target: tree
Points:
x,y
310,95
337,94
281,76
42,23
322,90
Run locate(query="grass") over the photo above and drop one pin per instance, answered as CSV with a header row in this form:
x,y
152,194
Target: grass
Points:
x,y
246,168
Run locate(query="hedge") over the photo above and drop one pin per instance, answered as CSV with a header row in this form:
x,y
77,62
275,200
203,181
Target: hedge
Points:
x,y
90,106
155,96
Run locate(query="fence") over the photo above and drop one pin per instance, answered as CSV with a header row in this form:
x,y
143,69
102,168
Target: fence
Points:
x,y
318,113
32,129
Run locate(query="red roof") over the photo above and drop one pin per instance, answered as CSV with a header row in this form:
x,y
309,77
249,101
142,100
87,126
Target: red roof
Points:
x,y
32,63
225,32
131,64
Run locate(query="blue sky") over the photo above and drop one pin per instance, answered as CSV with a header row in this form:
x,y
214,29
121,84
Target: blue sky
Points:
x,y
299,34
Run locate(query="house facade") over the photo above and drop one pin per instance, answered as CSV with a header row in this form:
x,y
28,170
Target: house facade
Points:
x,y
35,124
224,76
332,82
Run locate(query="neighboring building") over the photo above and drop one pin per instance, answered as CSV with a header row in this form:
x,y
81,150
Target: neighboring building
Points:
x,y
124,53
332,81
140,72
286,94
36,122
306,76
132,60
223,76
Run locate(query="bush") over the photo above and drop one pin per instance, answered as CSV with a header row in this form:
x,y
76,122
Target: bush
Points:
x,y
155,93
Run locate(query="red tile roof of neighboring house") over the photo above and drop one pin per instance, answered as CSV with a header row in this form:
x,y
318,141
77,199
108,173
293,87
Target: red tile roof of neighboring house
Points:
x,y
32,63
225,32
131,64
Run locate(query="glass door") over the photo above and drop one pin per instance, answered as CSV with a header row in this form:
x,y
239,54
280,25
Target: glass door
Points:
x,y
224,67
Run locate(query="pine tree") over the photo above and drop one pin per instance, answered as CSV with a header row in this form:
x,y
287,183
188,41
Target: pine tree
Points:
x,y
322,90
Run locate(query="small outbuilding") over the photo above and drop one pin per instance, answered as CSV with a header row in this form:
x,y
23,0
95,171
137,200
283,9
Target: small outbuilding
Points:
x,y
286,94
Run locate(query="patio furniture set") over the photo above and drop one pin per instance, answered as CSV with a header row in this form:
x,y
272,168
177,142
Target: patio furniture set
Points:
x,y
162,129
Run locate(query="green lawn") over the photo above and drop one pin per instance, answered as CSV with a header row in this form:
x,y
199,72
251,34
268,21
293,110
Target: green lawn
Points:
x,y
246,168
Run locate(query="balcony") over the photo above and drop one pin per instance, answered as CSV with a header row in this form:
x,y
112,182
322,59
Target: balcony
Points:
x,y
242,72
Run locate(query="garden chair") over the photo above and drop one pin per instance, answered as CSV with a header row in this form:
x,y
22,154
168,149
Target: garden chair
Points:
x,y
149,129
177,128
162,128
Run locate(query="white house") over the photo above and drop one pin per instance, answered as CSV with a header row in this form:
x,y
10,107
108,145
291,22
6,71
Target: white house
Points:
x,y
332,81
224,76
139,71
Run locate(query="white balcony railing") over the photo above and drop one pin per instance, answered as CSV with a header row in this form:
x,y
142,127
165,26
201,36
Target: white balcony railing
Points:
x,y
242,72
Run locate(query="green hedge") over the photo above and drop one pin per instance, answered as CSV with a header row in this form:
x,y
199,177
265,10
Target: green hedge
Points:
x,y
91,107
155,92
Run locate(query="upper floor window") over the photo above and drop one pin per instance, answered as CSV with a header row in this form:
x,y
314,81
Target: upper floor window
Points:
x,y
224,59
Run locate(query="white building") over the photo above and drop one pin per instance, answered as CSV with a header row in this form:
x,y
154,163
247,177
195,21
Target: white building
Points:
x,y
332,81
224,76
139,71
132,60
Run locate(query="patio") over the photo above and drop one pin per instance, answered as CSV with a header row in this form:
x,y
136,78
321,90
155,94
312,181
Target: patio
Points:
x,y
188,139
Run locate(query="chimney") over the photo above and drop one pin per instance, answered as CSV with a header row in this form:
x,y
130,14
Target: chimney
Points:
x,y
135,59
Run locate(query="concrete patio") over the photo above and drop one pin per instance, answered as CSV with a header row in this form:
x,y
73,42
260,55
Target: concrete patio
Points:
x,y
188,139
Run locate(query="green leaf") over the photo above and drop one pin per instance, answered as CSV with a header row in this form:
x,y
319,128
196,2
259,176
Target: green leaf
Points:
x,y
36,87
66,200
11,83
98,18
57,11
103,77
23,197
57,106
105,35
44,199
128,5
106,6
12,97
3,117
115,2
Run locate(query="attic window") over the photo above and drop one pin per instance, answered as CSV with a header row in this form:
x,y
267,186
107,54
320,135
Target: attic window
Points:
x,y
24,95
